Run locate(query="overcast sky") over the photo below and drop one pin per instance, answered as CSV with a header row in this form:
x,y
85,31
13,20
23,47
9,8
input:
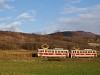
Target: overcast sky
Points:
x,y
47,16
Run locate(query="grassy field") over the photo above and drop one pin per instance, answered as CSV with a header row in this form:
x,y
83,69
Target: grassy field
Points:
x,y
38,66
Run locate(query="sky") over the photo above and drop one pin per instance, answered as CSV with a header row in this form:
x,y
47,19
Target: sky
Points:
x,y
48,16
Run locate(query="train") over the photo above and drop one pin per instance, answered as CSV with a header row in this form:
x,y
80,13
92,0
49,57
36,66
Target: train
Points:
x,y
64,53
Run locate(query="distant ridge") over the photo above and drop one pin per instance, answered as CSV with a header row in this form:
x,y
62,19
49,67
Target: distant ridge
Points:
x,y
31,41
74,33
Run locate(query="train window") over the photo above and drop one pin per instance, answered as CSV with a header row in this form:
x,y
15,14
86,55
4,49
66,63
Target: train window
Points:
x,y
61,51
89,51
55,51
52,51
66,51
49,51
81,52
73,52
85,52
41,51
94,52
58,51
77,51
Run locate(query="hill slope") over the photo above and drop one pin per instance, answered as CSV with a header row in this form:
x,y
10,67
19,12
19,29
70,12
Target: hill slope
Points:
x,y
67,39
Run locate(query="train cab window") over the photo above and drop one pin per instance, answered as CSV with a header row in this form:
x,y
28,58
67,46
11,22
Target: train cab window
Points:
x,y
73,51
66,52
41,51
45,50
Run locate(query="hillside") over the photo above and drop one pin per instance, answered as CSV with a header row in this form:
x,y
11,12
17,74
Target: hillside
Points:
x,y
67,39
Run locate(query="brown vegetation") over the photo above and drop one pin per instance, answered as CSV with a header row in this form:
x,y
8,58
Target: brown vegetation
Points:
x,y
68,39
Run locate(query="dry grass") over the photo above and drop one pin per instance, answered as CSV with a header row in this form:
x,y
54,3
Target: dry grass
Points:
x,y
94,44
15,54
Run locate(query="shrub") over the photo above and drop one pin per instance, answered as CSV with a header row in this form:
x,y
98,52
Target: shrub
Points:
x,y
34,55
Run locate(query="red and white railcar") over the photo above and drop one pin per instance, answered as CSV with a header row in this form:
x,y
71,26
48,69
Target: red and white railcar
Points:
x,y
53,53
83,53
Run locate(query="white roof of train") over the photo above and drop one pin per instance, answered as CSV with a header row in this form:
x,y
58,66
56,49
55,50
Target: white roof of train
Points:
x,y
53,49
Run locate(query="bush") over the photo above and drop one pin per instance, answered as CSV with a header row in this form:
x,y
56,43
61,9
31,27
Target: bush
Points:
x,y
56,59
34,55
6,46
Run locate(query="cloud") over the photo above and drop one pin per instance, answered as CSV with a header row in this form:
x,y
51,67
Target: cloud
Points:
x,y
2,26
69,3
6,18
77,10
10,0
73,9
89,21
23,18
4,6
30,15
11,27
72,1
15,24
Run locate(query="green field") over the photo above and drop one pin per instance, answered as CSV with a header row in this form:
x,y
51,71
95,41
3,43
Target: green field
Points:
x,y
38,66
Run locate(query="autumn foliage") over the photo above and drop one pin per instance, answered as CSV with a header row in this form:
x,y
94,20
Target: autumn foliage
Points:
x,y
67,39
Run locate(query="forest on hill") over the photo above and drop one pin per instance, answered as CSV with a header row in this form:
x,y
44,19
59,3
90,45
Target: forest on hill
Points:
x,y
67,40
